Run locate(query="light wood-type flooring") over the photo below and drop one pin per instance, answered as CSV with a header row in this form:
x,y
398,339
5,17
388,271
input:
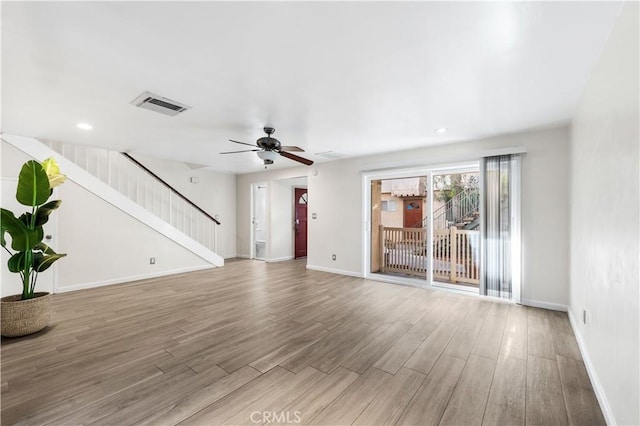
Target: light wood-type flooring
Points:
x,y
254,342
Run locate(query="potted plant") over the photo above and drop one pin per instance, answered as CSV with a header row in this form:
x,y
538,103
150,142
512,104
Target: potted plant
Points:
x,y
29,312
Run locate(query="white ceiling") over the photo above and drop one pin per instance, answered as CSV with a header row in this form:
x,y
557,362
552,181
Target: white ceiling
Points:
x,y
353,78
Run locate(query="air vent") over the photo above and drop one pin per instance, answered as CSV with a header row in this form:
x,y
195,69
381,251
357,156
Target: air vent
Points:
x,y
330,155
148,100
196,166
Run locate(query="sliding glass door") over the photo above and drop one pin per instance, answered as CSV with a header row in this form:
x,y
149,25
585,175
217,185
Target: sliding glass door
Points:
x,y
398,227
455,224
452,226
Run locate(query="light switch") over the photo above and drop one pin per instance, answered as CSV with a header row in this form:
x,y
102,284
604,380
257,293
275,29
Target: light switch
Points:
x,y
314,215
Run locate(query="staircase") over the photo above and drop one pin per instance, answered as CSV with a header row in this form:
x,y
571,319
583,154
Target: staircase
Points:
x,y
123,182
462,211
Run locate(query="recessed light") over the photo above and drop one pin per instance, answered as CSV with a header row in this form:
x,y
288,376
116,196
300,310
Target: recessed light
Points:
x,y
441,130
84,126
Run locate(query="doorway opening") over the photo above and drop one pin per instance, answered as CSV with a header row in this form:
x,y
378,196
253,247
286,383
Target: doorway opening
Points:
x,y
259,221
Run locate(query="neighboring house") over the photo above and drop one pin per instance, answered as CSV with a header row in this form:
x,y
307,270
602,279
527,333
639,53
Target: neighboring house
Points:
x,y
404,202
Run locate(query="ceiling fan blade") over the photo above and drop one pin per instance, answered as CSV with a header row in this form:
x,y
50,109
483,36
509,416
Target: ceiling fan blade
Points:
x,y
295,158
235,152
291,148
242,143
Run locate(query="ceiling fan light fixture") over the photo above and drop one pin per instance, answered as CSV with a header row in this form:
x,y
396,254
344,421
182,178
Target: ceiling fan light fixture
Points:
x,y
267,156
268,149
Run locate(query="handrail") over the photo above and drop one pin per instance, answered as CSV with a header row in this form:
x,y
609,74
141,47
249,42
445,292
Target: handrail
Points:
x,y
465,202
188,201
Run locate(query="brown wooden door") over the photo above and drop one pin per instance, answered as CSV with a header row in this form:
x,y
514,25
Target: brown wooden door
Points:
x,y
412,215
300,200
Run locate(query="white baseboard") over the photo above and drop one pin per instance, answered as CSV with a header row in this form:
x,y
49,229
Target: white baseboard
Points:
x,y
123,280
243,256
545,305
279,259
593,376
335,271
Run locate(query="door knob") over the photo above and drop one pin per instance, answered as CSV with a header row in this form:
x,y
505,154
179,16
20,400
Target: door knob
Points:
x,y
47,237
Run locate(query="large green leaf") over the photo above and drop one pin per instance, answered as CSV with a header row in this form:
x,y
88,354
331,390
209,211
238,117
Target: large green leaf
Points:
x,y
44,248
22,238
26,240
43,212
16,262
33,185
26,219
42,262
8,221
39,233
11,224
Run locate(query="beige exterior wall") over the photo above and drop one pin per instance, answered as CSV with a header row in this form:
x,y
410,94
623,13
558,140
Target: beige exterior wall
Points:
x,y
392,219
395,219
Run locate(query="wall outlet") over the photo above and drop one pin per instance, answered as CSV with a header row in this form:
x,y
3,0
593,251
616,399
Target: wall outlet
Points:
x,y
333,257
152,261
584,316
314,215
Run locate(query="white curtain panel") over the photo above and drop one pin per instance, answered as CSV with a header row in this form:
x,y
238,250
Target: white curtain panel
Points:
x,y
500,227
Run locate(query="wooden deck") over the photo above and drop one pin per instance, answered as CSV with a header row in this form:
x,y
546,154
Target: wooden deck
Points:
x,y
294,346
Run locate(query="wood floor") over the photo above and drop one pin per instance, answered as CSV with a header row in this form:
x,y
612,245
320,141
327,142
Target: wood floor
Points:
x,y
255,343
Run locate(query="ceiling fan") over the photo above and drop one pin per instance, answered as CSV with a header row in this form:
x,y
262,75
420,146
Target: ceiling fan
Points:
x,y
269,148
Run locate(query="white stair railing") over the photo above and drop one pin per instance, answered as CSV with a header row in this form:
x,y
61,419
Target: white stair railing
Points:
x,y
456,209
145,189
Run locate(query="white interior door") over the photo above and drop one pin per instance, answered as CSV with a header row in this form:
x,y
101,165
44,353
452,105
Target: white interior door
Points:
x,y
11,283
259,222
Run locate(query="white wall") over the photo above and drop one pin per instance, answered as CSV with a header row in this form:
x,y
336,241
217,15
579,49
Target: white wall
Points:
x,y
281,219
215,193
280,227
604,223
103,244
335,195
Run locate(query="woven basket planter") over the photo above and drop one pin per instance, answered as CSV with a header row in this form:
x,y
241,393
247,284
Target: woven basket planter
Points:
x,y
22,317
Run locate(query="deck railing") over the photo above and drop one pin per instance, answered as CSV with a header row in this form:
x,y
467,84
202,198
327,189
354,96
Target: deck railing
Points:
x,y
455,253
403,250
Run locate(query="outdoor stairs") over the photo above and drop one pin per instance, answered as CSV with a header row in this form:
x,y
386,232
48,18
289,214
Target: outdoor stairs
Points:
x,y
123,183
469,222
462,211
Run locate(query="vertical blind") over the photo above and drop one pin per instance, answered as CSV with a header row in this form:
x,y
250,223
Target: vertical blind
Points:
x,y
501,226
